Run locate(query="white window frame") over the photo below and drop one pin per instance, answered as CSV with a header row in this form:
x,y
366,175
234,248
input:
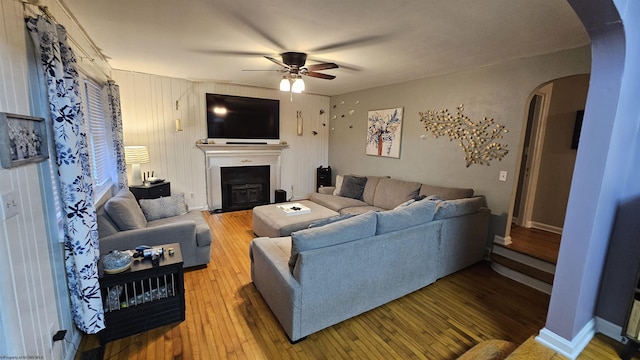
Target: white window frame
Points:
x,y
99,136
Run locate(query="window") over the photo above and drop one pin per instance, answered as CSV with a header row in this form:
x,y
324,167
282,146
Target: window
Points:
x,y
99,139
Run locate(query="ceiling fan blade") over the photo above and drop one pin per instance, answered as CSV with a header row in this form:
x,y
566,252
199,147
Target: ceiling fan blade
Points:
x,y
263,70
277,62
351,43
319,75
323,66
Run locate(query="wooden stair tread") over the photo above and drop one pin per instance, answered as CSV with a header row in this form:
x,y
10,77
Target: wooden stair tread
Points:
x,y
523,268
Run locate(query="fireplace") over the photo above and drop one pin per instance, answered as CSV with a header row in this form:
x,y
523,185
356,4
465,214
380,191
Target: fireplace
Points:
x,y
219,156
244,187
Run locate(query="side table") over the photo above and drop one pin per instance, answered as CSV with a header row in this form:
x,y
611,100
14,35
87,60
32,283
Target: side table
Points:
x,y
152,191
143,297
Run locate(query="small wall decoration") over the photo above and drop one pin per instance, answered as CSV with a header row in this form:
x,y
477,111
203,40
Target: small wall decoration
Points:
x,y
475,138
23,140
384,132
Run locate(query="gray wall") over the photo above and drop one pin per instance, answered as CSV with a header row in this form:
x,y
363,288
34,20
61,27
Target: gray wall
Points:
x,y
500,91
558,158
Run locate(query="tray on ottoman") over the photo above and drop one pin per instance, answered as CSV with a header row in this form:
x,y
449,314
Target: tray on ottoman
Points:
x,y
271,221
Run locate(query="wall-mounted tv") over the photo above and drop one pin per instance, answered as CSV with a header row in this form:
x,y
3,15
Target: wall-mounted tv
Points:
x,y
242,118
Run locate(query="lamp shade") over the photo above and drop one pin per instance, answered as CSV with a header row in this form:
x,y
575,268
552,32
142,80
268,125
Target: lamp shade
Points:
x,y
136,154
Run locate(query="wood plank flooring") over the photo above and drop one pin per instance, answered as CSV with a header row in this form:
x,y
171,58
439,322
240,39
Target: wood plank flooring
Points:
x,y
226,317
540,244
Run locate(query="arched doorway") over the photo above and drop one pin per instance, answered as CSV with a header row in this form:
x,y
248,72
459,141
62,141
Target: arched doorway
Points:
x,y
547,157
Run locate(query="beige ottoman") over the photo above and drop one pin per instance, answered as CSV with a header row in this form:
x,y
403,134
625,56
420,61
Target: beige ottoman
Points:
x,y
270,221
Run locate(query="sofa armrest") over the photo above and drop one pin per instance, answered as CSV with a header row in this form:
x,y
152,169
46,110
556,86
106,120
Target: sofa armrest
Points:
x,y
152,236
326,190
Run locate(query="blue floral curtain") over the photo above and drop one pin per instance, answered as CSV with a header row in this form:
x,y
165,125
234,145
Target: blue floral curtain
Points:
x,y
76,184
113,98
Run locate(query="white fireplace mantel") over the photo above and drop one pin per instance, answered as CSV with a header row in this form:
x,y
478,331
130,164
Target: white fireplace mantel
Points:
x,y
223,155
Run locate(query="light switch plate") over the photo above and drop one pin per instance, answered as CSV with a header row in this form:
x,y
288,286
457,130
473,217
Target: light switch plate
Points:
x,y
502,176
9,205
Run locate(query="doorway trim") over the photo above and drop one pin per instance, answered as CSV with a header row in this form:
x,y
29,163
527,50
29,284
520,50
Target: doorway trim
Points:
x,y
532,165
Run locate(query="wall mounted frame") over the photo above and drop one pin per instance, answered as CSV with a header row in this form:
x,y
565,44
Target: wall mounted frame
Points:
x,y
23,140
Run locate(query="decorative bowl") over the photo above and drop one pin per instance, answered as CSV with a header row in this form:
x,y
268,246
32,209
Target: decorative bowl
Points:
x,y
116,262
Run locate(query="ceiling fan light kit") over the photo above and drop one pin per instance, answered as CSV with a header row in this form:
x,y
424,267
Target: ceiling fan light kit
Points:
x,y
285,84
293,64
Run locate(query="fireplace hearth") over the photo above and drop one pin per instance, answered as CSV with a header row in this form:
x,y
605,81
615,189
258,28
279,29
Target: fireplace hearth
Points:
x,y
244,187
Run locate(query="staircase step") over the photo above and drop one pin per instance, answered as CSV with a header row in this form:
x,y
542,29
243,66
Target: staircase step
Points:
x,y
525,269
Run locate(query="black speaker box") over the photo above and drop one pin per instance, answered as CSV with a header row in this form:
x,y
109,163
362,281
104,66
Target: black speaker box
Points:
x,y
323,176
281,196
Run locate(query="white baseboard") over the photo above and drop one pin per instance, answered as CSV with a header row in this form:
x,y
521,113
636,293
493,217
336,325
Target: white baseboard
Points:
x,y
545,227
502,240
609,329
569,348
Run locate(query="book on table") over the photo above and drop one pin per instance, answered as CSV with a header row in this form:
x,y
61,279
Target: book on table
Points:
x,y
294,209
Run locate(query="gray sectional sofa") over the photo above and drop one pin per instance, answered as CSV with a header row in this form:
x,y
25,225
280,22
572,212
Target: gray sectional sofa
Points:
x,y
122,225
322,275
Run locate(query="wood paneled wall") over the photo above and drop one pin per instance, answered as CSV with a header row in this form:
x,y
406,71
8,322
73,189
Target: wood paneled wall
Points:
x,y
27,274
149,114
34,300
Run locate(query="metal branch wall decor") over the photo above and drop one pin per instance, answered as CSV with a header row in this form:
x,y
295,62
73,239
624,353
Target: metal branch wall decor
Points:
x,y
477,139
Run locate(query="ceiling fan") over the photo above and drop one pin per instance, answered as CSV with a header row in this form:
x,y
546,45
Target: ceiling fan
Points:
x,y
293,64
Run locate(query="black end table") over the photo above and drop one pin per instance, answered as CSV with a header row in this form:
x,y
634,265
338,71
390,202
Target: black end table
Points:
x,y
143,297
151,191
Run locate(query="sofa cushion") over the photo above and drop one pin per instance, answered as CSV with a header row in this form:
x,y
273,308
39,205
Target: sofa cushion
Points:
x,y
370,188
331,220
203,231
357,227
392,192
357,210
446,193
353,186
335,203
416,213
163,207
458,207
123,209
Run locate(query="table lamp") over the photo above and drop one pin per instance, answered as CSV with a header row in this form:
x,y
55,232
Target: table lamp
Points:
x,y
136,155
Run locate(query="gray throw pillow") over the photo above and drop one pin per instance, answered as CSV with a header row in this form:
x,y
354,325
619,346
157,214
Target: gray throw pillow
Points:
x,y
357,227
353,186
163,207
125,212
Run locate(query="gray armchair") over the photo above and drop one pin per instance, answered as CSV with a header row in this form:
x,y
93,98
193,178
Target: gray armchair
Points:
x,y
122,225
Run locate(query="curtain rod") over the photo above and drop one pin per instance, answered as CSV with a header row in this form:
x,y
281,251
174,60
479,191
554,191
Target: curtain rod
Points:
x,y
45,11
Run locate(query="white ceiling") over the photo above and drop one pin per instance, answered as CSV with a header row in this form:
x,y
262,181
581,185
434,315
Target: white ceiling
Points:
x,y
375,43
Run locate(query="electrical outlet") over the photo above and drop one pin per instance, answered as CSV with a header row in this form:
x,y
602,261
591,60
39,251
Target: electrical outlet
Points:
x,y
9,205
191,194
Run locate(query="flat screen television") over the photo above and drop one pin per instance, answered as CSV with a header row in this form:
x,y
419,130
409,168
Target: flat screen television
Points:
x,y
238,118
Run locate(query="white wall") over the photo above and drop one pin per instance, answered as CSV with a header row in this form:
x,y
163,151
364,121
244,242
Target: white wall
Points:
x,y
28,295
34,298
499,91
149,113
